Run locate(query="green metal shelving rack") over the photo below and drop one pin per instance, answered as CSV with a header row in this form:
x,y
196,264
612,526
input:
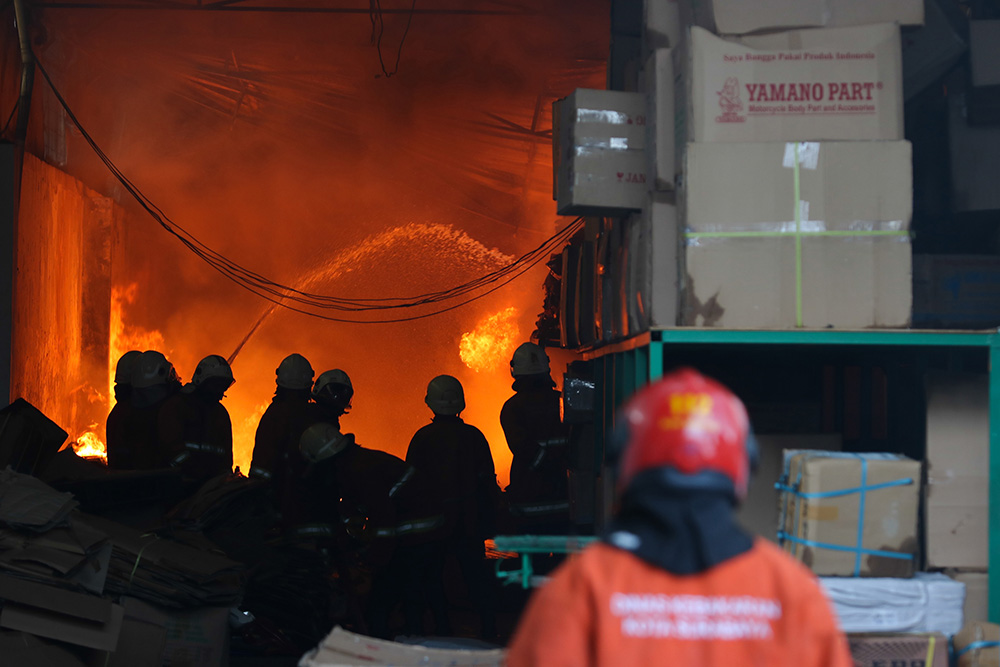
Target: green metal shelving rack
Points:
x,y
625,366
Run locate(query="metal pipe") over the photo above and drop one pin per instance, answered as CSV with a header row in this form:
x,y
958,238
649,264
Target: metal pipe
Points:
x,y
27,74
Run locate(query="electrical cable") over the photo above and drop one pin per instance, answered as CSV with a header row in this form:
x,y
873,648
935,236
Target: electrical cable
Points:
x,y
10,117
377,17
281,295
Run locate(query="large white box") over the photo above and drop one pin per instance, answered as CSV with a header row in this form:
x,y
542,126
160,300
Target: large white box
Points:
x,y
800,85
601,156
661,151
956,500
745,16
661,24
775,234
659,269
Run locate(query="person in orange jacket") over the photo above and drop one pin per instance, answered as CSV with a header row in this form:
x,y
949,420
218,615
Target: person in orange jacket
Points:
x,y
675,579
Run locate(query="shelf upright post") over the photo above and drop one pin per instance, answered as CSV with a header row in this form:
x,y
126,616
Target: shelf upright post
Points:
x,y
994,506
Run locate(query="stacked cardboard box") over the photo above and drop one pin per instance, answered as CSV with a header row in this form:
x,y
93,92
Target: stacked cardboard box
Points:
x,y
599,156
956,496
784,150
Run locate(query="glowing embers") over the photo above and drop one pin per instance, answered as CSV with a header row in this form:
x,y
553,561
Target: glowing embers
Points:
x,y
89,446
489,345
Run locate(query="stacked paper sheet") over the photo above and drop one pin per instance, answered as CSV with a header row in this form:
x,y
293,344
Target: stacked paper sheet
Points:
x,y
166,572
929,602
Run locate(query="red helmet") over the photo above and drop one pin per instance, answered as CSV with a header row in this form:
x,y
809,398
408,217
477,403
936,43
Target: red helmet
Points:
x,y
691,425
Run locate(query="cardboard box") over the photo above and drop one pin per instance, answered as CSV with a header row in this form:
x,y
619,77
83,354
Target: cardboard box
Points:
x,y
899,650
823,519
968,645
661,153
956,291
759,512
842,186
197,638
143,635
803,85
658,274
751,283
956,503
55,613
602,161
342,647
984,52
662,25
748,263
742,16
977,590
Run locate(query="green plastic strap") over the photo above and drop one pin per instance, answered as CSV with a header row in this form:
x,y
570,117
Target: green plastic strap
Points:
x,y
765,235
798,241
138,557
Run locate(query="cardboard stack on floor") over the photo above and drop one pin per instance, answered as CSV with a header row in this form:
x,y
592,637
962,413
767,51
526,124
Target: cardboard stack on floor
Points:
x,y
102,591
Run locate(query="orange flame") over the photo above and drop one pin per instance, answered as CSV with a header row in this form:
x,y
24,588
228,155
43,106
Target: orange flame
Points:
x,y
489,345
89,446
125,338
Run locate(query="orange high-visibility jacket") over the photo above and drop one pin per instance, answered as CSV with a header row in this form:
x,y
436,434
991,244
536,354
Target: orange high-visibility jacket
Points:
x,y
608,607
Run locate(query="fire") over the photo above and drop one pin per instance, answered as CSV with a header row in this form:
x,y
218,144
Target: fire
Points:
x,y
89,446
489,345
125,338
244,433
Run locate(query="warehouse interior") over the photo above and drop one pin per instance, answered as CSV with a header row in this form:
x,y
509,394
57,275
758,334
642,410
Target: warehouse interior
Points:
x,y
382,189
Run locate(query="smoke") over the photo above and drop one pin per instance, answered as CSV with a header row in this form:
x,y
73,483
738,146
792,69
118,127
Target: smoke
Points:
x,y
276,140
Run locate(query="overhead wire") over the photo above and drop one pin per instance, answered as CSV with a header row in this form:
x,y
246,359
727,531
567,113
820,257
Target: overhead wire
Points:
x,y
288,296
377,18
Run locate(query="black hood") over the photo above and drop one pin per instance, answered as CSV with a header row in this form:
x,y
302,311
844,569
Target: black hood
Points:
x,y
683,531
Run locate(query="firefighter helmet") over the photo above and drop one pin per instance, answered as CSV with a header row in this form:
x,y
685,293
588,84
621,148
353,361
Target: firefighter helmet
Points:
x,y
213,366
529,359
152,368
693,429
335,387
294,372
125,366
321,441
445,395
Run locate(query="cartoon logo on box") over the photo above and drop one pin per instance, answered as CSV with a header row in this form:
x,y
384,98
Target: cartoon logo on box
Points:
x,y
730,102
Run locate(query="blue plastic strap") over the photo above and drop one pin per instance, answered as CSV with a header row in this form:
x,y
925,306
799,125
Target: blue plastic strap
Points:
x,y
905,481
861,515
977,645
840,547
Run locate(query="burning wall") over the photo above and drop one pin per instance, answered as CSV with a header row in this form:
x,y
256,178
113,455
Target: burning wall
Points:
x,y
276,140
